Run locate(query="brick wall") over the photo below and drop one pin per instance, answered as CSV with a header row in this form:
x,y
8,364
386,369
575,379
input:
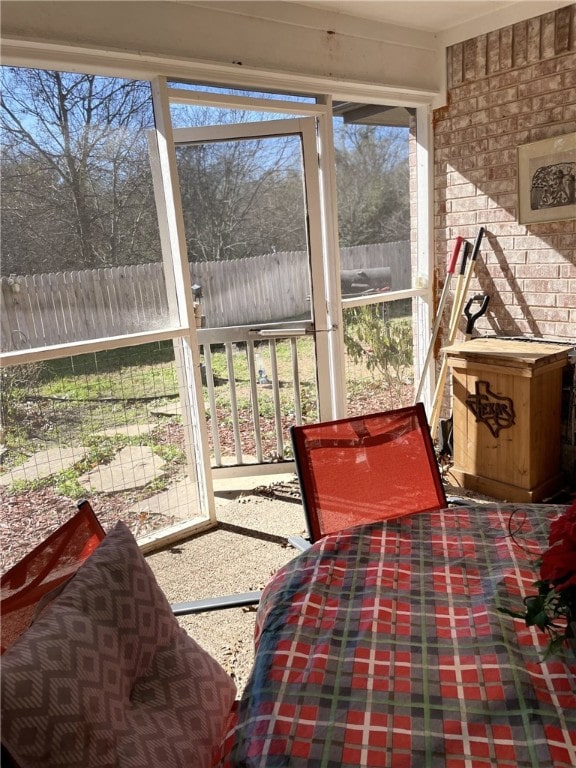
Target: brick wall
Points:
x,y
505,89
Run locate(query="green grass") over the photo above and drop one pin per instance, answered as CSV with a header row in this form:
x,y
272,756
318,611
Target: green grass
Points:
x,y
69,402
109,361
88,383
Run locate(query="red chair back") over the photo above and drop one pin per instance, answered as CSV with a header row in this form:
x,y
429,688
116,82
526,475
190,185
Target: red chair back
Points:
x,y
366,468
46,567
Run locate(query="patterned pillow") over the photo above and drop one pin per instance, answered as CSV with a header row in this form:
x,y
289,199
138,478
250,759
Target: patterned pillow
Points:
x,y
106,677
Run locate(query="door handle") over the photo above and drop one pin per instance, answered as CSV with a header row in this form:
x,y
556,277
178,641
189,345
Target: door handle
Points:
x,y
277,332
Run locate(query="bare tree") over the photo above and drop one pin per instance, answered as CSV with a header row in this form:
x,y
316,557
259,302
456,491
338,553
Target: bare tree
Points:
x,y
372,177
76,187
242,198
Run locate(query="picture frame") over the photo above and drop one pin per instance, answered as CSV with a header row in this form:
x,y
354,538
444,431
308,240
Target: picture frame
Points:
x,y
547,180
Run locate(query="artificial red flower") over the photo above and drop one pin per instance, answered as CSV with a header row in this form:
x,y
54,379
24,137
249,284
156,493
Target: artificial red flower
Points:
x,y
556,598
558,566
564,528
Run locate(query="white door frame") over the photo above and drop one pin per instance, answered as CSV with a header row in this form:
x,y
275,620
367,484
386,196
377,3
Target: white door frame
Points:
x,y
318,151
75,59
306,128
324,280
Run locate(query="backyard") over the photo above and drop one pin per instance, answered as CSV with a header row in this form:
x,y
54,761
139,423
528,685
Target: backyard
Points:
x,y
107,401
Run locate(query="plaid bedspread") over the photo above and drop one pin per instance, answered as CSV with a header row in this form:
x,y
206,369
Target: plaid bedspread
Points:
x,y
384,646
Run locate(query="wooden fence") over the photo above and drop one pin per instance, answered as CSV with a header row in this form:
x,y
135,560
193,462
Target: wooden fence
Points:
x,y
45,309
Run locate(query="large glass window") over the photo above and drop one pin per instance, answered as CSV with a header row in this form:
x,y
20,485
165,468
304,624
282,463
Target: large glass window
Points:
x,y
81,254
372,146
87,409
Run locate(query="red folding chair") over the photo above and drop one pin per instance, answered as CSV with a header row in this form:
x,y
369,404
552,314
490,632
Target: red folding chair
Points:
x,y
45,568
366,468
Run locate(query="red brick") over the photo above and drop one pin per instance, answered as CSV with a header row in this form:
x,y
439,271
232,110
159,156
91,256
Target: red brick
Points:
x,y
548,36
508,140
529,242
566,299
501,172
496,127
506,243
468,204
457,64
533,46
537,276
500,157
548,314
506,48
461,190
504,80
461,122
555,99
503,96
499,186
493,51
549,67
547,330
494,215
516,257
568,271
469,60
481,56
543,85
528,94
567,243
562,32
519,41
461,219
568,78
519,107
464,107
541,299
501,229
465,136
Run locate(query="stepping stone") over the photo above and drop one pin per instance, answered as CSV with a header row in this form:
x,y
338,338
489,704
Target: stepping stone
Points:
x,y
172,409
179,502
133,467
130,430
43,464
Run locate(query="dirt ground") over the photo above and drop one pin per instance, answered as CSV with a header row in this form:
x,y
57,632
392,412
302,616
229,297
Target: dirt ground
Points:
x,y
241,555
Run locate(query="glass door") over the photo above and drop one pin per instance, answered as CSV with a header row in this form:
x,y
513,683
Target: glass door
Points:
x,y
250,197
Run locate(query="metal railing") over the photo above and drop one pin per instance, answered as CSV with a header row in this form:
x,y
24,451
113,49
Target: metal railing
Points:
x,y
250,413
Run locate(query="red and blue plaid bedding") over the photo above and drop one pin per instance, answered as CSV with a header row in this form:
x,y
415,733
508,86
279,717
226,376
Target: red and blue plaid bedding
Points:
x,y
384,645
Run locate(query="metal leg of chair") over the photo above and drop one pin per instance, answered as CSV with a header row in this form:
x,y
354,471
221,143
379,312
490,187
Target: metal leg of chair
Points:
x,y
216,603
299,542
456,501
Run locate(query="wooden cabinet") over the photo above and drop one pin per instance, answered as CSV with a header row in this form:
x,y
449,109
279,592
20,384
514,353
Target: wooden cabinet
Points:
x,y
507,417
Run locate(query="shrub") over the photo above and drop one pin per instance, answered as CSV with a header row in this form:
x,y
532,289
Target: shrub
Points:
x,y
382,344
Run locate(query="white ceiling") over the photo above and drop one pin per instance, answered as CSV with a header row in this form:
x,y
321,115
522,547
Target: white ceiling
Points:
x,y
438,17
451,20
430,16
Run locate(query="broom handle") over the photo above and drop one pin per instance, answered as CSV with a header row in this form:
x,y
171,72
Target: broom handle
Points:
x,y
439,312
457,308
459,285
453,323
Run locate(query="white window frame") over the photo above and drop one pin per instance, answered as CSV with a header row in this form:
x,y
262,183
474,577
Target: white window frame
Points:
x,y
156,70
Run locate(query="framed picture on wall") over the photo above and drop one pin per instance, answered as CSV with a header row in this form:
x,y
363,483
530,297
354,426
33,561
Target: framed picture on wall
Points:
x,y
547,180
